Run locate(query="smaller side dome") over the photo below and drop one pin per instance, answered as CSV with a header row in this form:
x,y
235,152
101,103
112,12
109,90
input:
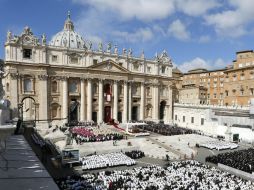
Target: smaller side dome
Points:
x,y
68,37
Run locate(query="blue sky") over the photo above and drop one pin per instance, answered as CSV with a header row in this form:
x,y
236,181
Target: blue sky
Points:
x,y
195,33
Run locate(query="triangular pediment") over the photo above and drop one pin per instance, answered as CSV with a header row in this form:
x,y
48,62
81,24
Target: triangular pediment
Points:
x,y
109,65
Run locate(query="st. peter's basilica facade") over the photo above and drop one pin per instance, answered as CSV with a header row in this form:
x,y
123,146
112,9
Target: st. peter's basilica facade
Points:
x,y
68,80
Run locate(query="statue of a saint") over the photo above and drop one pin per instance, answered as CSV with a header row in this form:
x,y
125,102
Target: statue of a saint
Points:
x,y
115,50
124,51
130,52
9,36
43,39
109,47
100,47
90,45
142,55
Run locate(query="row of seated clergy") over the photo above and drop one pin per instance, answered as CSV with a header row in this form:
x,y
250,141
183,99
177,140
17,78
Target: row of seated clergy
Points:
x,y
188,174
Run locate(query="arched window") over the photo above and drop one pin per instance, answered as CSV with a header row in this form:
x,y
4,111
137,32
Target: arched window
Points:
x,y
73,87
54,86
27,85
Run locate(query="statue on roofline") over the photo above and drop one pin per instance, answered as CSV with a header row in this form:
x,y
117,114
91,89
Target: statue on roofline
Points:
x,y
100,47
43,39
116,50
9,36
109,47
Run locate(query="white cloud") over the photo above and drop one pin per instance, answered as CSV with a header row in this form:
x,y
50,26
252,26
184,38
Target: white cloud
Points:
x,y
196,7
204,39
178,30
201,63
233,22
140,35
144,10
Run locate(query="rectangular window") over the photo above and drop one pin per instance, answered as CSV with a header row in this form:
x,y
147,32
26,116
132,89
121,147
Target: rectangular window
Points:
x,y
202,121
149,69
163,69
183,118
54,58
192,119
95,61
74,60
27,53
214,95
175,117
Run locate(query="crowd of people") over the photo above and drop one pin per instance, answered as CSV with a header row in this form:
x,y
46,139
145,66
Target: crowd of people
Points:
x,y
241,159
163,129
93,134
181,175
219,145
106,160
135,154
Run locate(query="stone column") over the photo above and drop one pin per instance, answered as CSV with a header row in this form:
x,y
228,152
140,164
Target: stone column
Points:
x,y
89,99
142,101
170,104
100,113
125,101
155,102
82,99
65,93
130,101
43,98
14,94
115,110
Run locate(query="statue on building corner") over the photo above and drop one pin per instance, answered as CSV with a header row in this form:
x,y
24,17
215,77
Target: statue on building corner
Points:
x,y
9,36
43,39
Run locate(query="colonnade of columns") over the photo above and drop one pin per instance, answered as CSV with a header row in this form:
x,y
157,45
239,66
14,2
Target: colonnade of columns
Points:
x,y
86,100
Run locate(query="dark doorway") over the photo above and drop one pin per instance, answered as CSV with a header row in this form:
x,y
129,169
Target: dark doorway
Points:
x,y
119,116
235,137
107,114
94,116
74,111
162,109
134,116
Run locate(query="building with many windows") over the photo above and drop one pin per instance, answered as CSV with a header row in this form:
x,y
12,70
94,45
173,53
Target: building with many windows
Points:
x,y
68,80
231,86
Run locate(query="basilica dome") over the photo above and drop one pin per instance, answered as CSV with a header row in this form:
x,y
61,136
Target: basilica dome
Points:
x,y
68,38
